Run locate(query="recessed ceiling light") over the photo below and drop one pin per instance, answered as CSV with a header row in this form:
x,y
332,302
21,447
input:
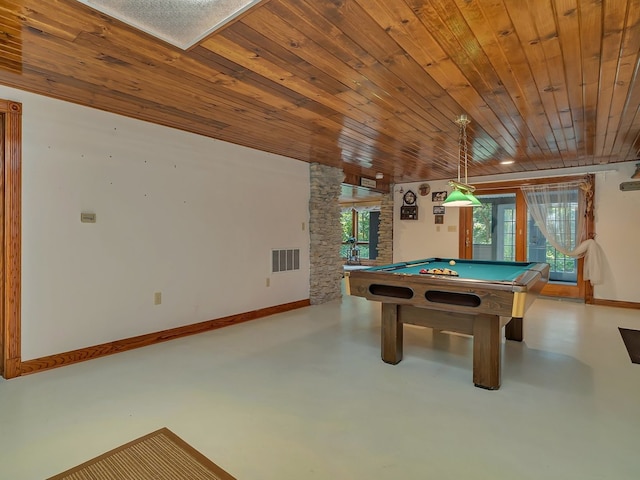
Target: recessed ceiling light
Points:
x,y
182,23
507,162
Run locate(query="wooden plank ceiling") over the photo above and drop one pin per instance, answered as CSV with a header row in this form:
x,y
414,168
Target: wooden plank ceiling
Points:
x,y
367,85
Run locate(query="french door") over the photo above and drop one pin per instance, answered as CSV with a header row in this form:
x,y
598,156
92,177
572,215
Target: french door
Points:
x,y
501,229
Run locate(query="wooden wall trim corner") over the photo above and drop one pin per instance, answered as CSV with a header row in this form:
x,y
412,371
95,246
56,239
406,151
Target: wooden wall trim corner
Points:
x,y
118,346
11,226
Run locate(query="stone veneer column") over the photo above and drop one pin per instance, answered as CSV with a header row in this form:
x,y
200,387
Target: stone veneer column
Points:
x,y
325,276
385,230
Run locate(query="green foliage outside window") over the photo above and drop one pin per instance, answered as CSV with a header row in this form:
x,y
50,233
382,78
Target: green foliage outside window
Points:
x,y
346,220
482,218
560,262
349,231
363,227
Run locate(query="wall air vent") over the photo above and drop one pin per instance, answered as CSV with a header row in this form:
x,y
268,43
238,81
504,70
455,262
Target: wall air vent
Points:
x,y
283,260
629,186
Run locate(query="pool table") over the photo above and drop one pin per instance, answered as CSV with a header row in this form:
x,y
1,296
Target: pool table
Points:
x,y
479,301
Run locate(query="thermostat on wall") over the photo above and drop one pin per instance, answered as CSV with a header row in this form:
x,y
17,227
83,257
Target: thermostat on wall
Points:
x,y
88,217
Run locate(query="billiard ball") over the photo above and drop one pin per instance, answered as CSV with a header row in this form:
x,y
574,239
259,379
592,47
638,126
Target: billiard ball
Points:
x,y
452,262
423,271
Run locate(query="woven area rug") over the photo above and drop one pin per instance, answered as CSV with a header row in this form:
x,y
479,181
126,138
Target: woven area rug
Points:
x,y
160,455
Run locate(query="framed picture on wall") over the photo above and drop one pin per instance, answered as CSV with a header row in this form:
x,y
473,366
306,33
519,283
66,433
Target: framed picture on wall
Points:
x,y
439,196
439,219
409,212
438,210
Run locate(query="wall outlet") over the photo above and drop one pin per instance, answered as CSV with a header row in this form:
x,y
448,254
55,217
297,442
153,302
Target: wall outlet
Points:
x,y
157,298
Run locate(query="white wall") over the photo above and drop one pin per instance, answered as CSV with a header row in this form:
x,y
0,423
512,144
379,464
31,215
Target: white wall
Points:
x,y
181,214
617,225
422,238
617,222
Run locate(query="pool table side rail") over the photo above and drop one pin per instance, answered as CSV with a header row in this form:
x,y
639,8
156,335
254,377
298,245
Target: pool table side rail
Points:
x,y
541,269
495,297
535,279
496,301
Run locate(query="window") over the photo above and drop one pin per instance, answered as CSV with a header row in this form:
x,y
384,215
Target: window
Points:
x,y
494,228
494,234
503,228
360,229
559,216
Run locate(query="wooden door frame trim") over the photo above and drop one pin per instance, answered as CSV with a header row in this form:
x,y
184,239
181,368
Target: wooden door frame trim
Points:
x,y
11,210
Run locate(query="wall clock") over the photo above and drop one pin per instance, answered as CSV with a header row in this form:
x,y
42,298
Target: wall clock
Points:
x,y
409,209
409,198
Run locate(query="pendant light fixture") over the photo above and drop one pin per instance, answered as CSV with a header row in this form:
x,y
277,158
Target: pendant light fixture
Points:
x,y
462,193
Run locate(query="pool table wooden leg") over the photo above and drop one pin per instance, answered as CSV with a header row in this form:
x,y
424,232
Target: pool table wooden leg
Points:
x,y
513,329
391,334
486,351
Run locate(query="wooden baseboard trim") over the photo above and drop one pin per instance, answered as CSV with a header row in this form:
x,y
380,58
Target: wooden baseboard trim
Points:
x,y
615,303
110,348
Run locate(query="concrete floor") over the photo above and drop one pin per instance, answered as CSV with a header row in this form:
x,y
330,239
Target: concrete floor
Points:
x,y
304,395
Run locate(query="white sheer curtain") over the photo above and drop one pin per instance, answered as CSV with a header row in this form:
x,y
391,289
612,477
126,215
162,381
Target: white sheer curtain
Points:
x,y
560,212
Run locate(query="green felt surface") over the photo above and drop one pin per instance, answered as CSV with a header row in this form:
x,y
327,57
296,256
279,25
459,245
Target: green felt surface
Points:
x,y
471,269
